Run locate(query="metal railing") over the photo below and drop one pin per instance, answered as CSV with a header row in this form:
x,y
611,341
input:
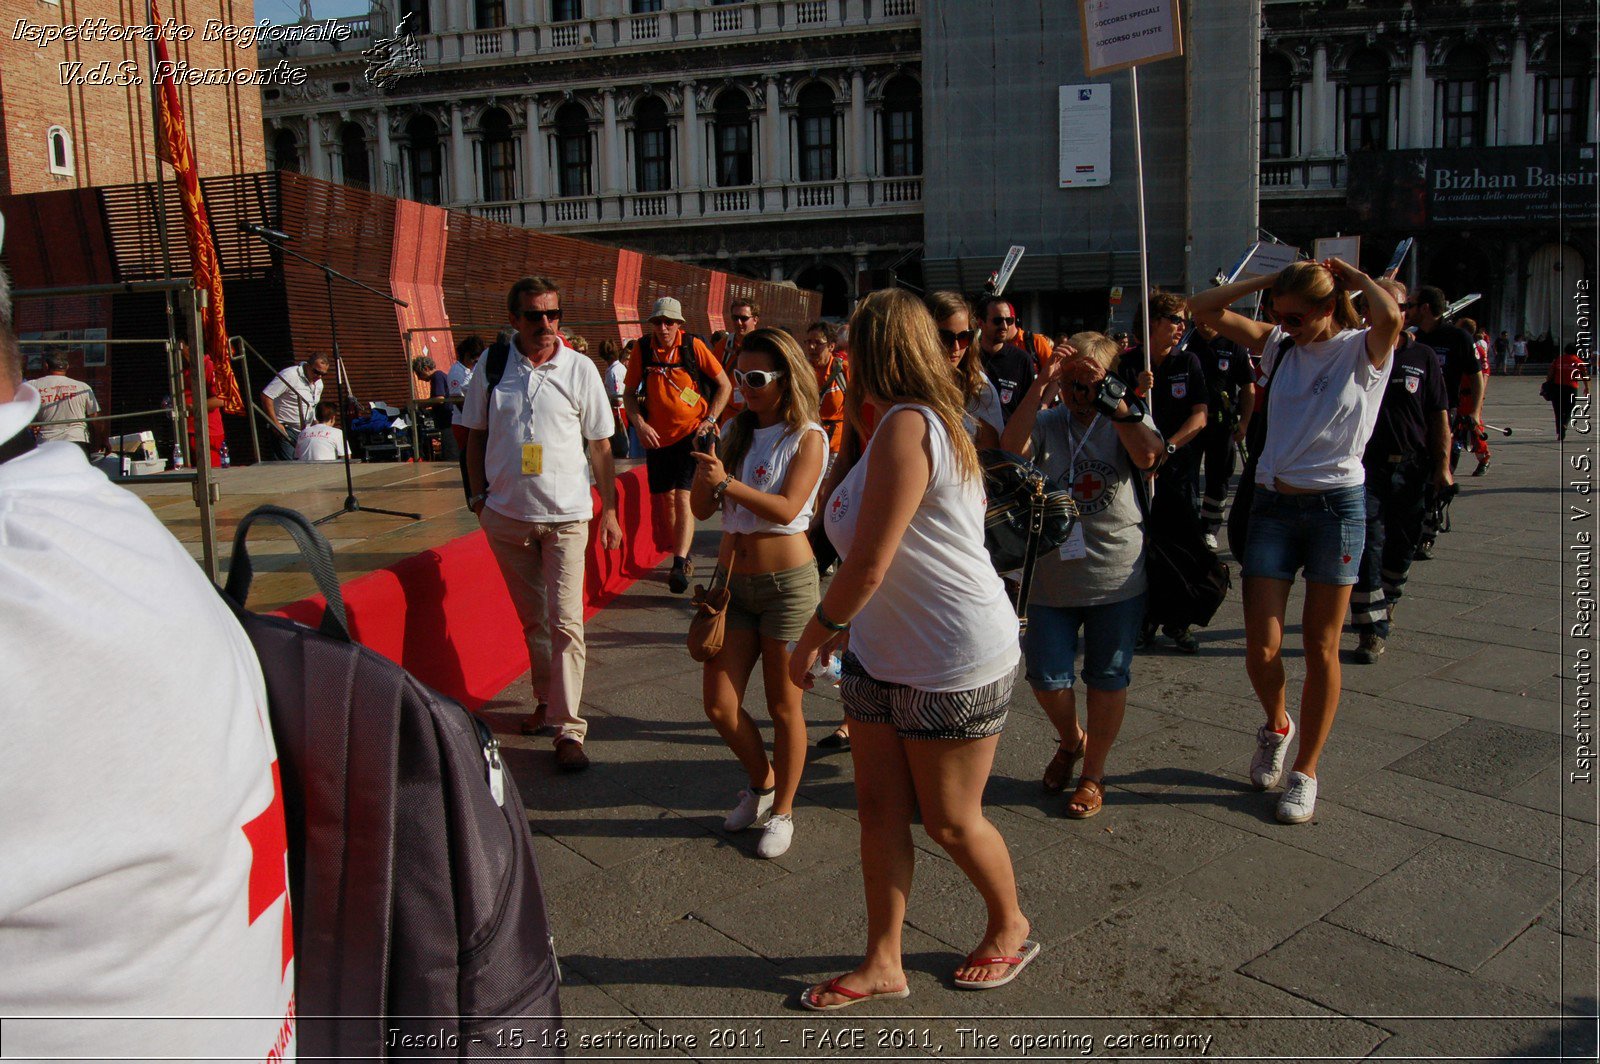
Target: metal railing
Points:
x,y
191,302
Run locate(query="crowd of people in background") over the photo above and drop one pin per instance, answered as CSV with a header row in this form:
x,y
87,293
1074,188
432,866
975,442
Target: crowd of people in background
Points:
x,y
1349,399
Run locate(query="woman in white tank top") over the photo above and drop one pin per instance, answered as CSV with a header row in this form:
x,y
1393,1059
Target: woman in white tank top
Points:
x,y
933,653
765,481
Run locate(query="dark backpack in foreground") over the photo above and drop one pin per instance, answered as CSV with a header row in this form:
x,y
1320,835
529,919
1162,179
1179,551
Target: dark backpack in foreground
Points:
x,y
417,910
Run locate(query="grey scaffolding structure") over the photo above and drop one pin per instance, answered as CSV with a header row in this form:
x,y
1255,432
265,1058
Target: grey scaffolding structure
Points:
x,y
192,301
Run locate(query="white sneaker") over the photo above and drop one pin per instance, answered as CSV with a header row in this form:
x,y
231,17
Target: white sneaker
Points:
x,y
751,808
1271,749
1211,540
1299,800
777,836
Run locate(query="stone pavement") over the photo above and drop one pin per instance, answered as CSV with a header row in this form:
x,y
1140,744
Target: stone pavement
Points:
x,y
1442,903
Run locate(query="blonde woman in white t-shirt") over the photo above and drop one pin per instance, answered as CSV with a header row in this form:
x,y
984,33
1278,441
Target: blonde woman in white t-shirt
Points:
x,y
932,649
765,481
1327,377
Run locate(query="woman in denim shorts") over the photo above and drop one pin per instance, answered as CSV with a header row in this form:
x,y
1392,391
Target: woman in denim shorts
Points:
x,y
765,482
1326,376
1095,581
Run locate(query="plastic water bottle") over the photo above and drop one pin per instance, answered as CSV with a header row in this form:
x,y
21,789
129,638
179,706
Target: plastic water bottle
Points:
x,y
826,670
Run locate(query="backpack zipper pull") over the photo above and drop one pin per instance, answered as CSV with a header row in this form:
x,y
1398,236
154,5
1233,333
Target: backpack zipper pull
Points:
x,y
497,781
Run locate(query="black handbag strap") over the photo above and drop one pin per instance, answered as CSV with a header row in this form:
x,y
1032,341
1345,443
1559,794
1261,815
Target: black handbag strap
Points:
x,y
314,550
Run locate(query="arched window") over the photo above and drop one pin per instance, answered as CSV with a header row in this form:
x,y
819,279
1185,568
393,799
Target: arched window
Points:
x,y
652,146
1366,102
734,165
1464,95
353,150
426,159
286,151
818,161
902,127
499,154
60,151
1277,128
572,150
1564,96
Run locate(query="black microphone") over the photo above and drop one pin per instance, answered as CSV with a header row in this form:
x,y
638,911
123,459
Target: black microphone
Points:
x,y
261,230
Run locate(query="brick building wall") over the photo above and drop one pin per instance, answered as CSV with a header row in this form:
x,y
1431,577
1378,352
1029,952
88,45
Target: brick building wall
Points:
x,y
109,125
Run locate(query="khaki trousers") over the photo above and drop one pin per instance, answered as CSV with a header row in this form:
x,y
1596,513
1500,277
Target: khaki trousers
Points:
x,y
542,565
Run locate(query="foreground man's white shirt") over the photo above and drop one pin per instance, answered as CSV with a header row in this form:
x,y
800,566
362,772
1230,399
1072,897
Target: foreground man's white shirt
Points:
x,y
141,817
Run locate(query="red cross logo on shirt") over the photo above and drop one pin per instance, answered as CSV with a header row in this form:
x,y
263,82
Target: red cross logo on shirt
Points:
x,y
1087,486
269,848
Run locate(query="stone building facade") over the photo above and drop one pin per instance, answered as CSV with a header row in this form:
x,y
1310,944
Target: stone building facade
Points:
x,y
780,139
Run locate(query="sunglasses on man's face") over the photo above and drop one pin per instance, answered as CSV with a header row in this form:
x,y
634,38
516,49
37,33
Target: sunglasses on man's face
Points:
x,y
1002,321
547,315
756,378
955,339
1176,319
741,318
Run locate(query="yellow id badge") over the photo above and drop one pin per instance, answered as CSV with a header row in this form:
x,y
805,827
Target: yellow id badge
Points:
x,y
689,397
532,459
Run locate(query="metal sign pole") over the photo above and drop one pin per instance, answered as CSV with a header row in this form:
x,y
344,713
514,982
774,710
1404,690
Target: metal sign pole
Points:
x,y
204,487
1144,245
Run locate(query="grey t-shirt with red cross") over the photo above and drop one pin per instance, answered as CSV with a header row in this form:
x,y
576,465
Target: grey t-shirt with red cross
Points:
x,y
1101,481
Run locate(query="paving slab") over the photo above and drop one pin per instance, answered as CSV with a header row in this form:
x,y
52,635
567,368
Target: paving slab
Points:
x,y
1482,756
1402,909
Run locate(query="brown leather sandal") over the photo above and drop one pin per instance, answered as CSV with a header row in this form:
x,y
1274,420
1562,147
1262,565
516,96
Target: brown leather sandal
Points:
x,y
1091,794
1058,773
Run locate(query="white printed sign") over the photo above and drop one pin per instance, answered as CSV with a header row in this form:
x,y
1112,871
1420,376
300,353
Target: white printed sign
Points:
x,y
1265,259
1347,248
1122,33
1008,267
1085,136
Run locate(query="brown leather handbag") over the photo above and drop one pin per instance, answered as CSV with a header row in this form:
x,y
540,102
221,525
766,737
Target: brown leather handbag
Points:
x,y
708,628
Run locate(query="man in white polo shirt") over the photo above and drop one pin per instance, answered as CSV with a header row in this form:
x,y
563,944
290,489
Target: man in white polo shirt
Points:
x,y
531,415
292,396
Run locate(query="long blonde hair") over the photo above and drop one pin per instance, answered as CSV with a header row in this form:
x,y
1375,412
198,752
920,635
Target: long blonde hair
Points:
x,y
797,407
895,356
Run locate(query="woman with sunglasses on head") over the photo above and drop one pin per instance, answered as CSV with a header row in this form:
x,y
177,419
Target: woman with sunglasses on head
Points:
x,y
984,420
765,481
932,649
1326,377
1093,445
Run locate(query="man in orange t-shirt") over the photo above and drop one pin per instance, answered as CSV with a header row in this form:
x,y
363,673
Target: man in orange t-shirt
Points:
x,y
677,416
833,375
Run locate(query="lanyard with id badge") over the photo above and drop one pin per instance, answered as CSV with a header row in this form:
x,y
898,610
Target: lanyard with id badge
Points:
x,y
1074,548
533,453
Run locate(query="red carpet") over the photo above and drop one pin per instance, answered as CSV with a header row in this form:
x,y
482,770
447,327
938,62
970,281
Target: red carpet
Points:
x,y
445,615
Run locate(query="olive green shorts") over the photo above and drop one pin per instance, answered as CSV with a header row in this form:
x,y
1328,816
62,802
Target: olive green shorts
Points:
x,y
777,605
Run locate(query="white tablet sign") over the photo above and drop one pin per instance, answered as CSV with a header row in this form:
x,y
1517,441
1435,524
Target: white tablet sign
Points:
x,y
1347,248
1122,33
1085,136
1265,259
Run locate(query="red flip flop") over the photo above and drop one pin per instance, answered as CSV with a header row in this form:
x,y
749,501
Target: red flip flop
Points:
x,y
1030,949
851,997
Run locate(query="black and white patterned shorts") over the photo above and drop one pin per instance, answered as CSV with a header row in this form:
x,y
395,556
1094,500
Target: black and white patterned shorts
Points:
x,y
918,714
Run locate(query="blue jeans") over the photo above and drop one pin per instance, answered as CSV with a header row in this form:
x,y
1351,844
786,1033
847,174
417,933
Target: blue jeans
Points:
x,y
1109,632
1323,533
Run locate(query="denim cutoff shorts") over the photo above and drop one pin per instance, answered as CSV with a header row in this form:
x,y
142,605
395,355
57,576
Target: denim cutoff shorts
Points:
x,y
1050,644
1322,533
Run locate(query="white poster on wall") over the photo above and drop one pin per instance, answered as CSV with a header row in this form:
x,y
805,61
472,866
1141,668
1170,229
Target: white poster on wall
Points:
x,y
1085,136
